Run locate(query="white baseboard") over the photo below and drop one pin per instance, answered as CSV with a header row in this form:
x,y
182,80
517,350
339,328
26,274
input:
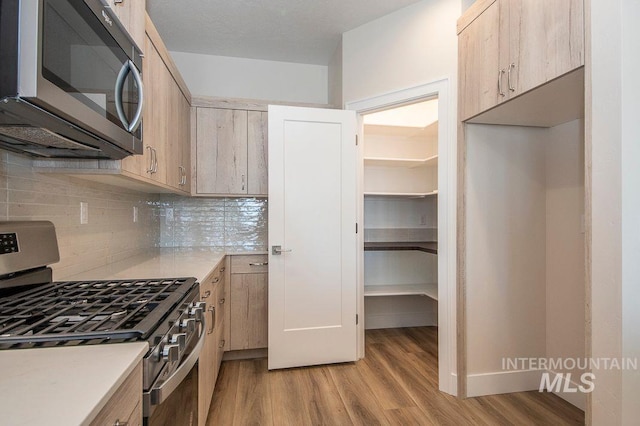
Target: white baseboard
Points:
x,y
578,399
519,381
400,319
503,382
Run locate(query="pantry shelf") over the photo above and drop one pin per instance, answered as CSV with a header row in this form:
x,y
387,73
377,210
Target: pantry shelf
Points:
x,y
400,162
429,290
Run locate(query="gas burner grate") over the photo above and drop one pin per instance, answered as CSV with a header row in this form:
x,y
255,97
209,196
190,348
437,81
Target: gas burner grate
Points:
x,y
81,312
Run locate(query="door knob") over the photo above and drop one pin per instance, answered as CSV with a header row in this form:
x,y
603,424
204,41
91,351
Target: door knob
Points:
x,y
277,250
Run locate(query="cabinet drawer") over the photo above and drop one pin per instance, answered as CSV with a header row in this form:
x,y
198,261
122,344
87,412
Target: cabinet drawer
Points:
x,y
125,406
249,264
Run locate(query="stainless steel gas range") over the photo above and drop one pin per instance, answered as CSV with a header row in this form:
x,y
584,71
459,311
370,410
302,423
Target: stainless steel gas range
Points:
x,y
36,312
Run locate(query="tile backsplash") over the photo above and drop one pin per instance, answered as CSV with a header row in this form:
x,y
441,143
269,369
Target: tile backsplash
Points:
x,y
227,223
110,234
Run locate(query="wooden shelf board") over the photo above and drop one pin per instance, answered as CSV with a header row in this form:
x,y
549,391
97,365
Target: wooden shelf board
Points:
x,y
425,246
400,194
429,290
400,162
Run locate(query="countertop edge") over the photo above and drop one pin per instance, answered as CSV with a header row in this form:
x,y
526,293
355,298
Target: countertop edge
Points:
x,y
144,347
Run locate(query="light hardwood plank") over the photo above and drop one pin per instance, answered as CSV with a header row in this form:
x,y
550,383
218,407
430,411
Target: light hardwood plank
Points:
x,y
396,384
253,402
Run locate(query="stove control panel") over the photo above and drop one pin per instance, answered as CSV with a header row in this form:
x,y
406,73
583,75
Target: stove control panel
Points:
x,y
8,243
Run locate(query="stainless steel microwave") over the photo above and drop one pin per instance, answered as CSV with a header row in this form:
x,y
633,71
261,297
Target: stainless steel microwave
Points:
x,y
70,80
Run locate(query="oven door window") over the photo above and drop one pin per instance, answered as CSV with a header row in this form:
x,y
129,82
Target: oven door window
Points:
x,y
81,58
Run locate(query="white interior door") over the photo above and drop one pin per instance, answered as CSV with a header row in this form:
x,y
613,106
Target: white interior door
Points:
x,y
312,217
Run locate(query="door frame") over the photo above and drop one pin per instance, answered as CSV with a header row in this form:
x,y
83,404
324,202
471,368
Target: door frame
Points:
x,y
447,217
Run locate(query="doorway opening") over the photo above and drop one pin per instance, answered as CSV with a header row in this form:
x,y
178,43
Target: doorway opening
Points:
x,y
405,207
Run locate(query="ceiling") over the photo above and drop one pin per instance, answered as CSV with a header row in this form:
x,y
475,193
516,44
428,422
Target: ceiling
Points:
x,y
302,31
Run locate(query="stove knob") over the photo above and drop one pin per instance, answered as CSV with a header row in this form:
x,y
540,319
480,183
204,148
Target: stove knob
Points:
x,y
188,325
170,353
179,339
196,313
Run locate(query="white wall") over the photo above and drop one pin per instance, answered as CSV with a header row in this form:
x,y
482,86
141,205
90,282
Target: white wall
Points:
x,y
604,65
413,46
334,79
615,155
565,239
506,243
228,77
630,206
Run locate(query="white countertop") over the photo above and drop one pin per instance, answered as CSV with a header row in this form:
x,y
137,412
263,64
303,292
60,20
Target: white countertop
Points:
x,y
160,263
63,386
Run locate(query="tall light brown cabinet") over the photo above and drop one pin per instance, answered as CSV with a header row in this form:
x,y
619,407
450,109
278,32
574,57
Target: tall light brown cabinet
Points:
x,y
521,282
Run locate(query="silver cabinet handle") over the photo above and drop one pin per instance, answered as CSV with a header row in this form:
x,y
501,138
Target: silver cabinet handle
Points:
x,y
129,67
262,263
216,279
222,343
243,182
150,169
118,422
500,91
213,318
221,301
206,294
511,88
155,161
277,250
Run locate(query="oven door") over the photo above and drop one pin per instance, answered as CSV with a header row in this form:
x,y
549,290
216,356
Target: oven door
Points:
x,y
174,400
78,62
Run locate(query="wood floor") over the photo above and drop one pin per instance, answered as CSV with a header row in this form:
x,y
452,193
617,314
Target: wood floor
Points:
x,y
396,384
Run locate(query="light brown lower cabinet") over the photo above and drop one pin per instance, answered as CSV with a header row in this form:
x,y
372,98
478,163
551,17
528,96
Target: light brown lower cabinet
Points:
x,y
125,406
212,293
249,302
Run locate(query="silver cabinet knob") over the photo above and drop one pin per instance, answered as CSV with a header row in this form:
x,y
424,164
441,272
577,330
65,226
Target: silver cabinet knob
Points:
x,y
170,353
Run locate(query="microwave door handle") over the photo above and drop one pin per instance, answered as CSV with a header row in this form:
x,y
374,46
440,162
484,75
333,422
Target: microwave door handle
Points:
x,y
157,395
138,115
122,75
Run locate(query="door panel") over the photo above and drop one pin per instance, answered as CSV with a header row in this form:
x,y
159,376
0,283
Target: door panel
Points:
x,y
312,213
222,151
547,40
479,63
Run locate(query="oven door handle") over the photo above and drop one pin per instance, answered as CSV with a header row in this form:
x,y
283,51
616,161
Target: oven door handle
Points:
x,y
160,393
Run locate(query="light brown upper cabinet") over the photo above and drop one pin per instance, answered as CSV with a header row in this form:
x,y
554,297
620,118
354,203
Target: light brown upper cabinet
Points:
x,y
508,47
166,124
131,14
231,152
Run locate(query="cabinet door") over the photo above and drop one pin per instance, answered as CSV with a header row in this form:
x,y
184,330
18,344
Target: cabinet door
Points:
x,y
156,80
175,136
221,151
257,153
185,138
547,41
207,360
131,14
479,63
220,323
249,319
